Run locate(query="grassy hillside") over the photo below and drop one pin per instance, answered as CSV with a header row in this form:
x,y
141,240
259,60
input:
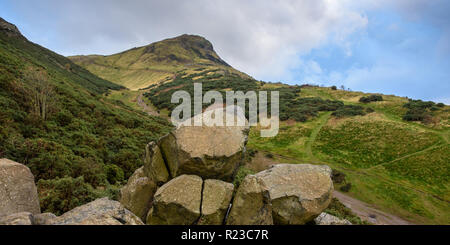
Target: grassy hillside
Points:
x,y
392,151
55,119
400,166
158,62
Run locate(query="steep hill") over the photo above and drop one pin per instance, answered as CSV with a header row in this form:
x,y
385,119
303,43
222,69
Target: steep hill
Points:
x,y
55,119
158,62
393,151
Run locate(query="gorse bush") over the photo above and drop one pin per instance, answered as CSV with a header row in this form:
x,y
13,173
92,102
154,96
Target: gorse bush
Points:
x,y
64,194
291,105
371,98
419,110
55,120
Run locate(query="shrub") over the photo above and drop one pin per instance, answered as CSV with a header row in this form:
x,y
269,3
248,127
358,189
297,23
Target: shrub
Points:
x,y
269,155
370,110
333,88
63,194
114,174
346,187
371,98
337,176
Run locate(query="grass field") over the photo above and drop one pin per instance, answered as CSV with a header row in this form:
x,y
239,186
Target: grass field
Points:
x,y
400,167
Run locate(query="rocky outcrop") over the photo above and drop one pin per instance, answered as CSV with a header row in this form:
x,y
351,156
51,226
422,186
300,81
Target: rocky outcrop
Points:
x,y
177,202
211,152
154,165
298,192
251,205
8,28
23,218
99,212
137,194
328,219
18,192
169,148
43,219
216,200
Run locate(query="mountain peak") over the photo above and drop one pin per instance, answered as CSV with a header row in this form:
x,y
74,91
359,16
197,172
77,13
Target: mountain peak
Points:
x,y
9,28
184,49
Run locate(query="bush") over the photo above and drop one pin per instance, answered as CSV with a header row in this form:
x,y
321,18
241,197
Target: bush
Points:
x,y
370,110
371,98
346,187
333,88
269,155
63,194
114,174
337,176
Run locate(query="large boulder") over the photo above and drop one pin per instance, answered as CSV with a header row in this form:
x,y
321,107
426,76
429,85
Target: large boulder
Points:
x,y
137,194
154,166
298,192
18,192
211,152
328,219
216,201
177,202
251,205
99,212
22,218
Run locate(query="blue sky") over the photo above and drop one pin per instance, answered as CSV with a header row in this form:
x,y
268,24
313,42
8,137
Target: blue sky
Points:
x,y
393,47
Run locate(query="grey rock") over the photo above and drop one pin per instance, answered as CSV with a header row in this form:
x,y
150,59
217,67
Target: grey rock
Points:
x,y
137,194
251,205
298,192
18,192
177,202
216,201
23,218
99,212
328,219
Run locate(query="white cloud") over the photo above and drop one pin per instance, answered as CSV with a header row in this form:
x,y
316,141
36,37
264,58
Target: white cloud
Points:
x,y
262,38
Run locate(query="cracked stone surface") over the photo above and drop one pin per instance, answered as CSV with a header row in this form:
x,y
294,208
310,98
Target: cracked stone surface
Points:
x,y
298,192
177,202
18,192
99,212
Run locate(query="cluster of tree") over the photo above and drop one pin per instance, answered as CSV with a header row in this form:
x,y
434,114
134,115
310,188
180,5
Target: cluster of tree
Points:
x,y
371,98
419,110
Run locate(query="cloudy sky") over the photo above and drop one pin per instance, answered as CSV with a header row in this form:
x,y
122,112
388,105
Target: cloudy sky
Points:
x,y
397,47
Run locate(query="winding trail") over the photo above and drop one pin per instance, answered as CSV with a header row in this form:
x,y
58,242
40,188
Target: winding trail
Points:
x,y
312,138
369,213
145,107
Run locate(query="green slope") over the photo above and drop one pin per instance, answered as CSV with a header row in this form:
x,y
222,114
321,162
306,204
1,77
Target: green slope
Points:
x,y
158,62
400,167
55,119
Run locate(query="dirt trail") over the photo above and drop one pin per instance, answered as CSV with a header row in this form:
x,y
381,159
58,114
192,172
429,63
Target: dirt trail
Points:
x,y
145,107
367,212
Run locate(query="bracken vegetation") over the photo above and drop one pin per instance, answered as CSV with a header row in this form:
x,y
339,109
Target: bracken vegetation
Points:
x,y
55,121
